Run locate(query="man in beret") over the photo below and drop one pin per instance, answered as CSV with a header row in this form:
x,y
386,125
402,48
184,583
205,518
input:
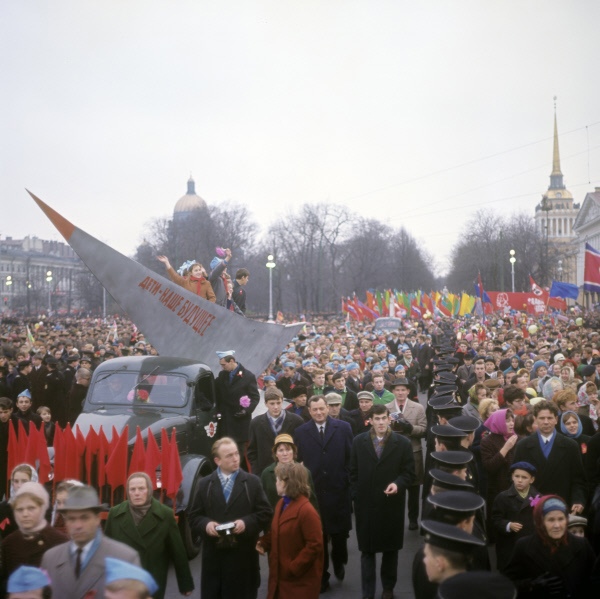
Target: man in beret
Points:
x,y
126,581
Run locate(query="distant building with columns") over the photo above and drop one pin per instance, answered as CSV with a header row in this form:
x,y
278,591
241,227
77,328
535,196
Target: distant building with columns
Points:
x,y
555,218
25,284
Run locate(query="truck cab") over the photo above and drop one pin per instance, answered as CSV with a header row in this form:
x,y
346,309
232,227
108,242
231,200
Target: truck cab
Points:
x,y
155,393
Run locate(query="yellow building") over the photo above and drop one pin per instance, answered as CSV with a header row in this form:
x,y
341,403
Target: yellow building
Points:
x,y
554,217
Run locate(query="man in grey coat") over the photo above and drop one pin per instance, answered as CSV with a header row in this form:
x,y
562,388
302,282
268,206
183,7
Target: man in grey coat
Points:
x,y
77,566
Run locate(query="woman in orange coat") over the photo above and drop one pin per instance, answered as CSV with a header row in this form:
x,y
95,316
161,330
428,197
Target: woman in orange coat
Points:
x,y
295,541
191,276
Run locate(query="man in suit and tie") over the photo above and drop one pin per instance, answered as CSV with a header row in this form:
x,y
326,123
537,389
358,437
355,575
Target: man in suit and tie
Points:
x,y
556,458
233,499
381,469
77,567
264,428
412,424
324,446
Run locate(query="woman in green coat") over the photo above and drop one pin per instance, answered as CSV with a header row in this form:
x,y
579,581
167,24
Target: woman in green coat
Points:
x,y
149,527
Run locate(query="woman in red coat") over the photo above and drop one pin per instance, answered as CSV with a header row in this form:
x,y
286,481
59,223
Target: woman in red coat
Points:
x,y
295,542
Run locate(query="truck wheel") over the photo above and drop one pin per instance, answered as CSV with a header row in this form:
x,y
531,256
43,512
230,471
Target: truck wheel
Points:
x,y
192,545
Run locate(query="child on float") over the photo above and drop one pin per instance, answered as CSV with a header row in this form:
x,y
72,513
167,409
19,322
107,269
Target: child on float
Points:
x,y
191,276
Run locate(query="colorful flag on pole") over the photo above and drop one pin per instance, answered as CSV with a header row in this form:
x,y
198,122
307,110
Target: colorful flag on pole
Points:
x,y
591,273
564,290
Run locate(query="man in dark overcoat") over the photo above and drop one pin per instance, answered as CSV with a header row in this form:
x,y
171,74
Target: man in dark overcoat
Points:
x,y
324,447
556,459
264,428
230,567
234,387
382,467
54,392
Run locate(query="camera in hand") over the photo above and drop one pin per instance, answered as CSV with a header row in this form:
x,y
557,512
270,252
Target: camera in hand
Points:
x,y
400,424
226,539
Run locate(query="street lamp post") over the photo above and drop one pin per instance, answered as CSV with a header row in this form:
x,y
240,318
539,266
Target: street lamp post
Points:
x,y
49,281
512,268
270,266
8,284
560,270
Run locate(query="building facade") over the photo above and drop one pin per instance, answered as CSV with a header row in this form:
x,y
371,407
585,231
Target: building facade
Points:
x,y
38,275
587,227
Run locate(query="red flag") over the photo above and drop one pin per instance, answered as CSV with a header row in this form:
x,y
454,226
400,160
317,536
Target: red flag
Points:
x,y
103,449
114,439
153,458
13,449
45,467
591,269
116,467
72,457
31,454
427,303
165,451
175,476
80,439
537,290
138,457
59,455
21,443
92,444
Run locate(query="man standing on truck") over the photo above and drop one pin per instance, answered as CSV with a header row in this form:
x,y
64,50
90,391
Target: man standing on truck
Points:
x,y
237,396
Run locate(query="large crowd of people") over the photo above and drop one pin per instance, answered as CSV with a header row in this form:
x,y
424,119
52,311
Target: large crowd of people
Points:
x,y
485,432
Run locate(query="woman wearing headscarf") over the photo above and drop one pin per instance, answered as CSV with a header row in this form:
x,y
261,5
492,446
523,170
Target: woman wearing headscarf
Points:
x,y
295,541
149,527
21,474
539,375
551,562
571,426
27,545
497,453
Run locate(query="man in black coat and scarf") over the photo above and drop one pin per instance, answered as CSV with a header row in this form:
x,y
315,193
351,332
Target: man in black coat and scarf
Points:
x,y
382,467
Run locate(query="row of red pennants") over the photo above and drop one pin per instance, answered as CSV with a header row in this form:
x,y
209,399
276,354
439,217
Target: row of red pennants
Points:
x,y
74,451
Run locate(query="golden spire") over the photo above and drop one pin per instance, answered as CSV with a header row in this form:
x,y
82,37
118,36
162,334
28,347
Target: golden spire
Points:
x,y
556,155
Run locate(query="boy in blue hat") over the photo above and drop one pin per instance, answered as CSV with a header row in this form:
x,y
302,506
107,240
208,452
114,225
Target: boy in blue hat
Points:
x,y
126,581
27,582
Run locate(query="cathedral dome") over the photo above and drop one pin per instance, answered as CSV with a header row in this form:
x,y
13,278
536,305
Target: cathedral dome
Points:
x,y
189,202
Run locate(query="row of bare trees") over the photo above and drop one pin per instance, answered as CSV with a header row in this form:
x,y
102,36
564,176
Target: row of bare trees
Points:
x,y
322,252
484,246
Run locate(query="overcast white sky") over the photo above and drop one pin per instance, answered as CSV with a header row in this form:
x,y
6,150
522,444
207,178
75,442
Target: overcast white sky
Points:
x,y
387,106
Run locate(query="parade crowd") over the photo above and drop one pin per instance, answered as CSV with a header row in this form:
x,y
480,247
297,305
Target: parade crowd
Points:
x,y
498,465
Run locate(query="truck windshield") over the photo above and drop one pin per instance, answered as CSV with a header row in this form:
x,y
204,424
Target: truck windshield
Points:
x,y
134,388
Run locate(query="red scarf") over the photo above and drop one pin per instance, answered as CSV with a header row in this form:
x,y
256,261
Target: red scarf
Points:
x,y
198,281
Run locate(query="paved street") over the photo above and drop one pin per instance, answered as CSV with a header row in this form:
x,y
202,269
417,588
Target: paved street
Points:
x,y
351,585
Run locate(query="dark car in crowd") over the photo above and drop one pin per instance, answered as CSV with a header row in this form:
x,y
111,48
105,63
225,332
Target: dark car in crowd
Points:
x,y
156,393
